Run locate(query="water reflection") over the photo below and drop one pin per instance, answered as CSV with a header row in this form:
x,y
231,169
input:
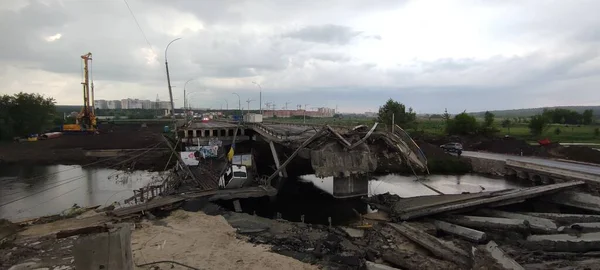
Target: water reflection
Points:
x,y
408,186
33,191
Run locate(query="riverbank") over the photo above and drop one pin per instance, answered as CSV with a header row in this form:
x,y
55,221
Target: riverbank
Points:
x,y
143,145
217,238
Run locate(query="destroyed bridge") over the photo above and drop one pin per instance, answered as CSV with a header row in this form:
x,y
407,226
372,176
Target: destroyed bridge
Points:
x,y
346,154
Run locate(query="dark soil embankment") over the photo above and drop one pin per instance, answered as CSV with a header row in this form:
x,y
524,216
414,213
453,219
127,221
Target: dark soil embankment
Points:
x,y
440,162
576,153
70,149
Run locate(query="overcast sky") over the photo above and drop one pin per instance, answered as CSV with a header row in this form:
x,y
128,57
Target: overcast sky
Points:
x,y
430,55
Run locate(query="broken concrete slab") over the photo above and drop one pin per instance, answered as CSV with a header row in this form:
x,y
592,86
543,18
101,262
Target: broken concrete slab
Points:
x,y
489,223
585,227
109,250
576,199
501,258
415,261
436,246
8,231
352,232
504,197
376,266
565,218
564,242
537,224
464,232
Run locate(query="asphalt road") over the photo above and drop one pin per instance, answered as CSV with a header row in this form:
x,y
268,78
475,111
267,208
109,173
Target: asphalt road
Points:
x,y
541,161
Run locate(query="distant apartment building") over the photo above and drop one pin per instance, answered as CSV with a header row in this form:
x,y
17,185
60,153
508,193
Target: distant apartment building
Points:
x,y
113,104
319,113
100,104
127,104
147,104
326,112
164,105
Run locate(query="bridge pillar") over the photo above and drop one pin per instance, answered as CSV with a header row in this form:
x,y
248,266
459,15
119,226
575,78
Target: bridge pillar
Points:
x,y
283,172
350,186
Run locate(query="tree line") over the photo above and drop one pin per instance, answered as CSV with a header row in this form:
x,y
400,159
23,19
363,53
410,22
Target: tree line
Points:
x,y
22,114
466,124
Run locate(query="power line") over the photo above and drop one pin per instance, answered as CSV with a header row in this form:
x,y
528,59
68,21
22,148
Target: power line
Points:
x,y
138,25
76,178
83,166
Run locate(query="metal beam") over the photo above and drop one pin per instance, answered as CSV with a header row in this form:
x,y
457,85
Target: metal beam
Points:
x,y
304,144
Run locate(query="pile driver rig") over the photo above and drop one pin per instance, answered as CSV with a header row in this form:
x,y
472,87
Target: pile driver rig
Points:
x,y
86,119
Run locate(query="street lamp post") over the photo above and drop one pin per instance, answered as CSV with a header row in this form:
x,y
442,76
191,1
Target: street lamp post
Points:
x,y
226,103
184,95
248,108
305,113
239,102
170,91
260,96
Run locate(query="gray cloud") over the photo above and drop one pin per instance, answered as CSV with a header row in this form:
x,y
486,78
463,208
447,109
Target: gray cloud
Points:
x,y
329,33
306,51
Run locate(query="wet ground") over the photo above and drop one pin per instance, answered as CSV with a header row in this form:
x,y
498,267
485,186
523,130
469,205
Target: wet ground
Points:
x,y
34,191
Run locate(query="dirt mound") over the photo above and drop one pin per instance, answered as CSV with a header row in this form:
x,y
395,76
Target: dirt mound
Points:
x,y
504,146
578,153
432,151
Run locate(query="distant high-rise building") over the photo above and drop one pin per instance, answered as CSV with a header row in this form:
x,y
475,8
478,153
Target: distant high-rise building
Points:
x,y
113,104
100,104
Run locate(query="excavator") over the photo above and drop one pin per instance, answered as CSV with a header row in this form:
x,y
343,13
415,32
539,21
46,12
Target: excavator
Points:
x,y
86,119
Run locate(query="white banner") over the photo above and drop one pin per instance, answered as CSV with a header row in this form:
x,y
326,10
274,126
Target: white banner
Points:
x,y
189,159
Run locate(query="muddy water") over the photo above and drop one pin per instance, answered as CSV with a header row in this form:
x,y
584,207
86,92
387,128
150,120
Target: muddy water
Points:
x,y
34,191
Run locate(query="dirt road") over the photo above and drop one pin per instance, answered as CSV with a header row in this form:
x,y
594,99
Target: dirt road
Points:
x,y
203,241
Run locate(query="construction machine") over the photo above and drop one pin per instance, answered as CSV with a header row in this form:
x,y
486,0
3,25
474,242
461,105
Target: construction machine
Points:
x,y
86,119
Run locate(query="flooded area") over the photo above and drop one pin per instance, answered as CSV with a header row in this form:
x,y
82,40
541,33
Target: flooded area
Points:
x,y
408,186
34,191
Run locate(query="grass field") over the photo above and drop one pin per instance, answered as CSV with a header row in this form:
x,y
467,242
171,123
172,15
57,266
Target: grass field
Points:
x,y
570,134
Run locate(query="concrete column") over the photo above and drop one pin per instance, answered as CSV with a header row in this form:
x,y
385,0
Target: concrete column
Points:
x,y
351,186
283,172
109,250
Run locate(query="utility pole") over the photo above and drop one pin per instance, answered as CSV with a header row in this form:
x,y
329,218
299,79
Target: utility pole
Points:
x,y
268,105
170,91
286,105
259,97
239,102
305,113
248,108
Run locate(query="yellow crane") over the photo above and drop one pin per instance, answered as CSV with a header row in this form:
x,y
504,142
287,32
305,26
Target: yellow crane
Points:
x,y
86,119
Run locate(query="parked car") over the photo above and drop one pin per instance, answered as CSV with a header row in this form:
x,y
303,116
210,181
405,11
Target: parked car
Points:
x,y
235,177
453,147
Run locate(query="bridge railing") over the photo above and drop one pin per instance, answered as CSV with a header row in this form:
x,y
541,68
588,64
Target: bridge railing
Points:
x,y
263,129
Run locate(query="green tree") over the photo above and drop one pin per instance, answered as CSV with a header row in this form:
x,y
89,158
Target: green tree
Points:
x,y
23,113
506,124
588,117
557,131
538,124
402,117
462,124
488,119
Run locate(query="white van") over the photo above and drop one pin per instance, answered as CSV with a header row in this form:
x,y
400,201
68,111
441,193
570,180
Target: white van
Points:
x,y
234,177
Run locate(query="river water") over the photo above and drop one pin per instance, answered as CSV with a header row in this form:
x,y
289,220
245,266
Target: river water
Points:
x,y
34,191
